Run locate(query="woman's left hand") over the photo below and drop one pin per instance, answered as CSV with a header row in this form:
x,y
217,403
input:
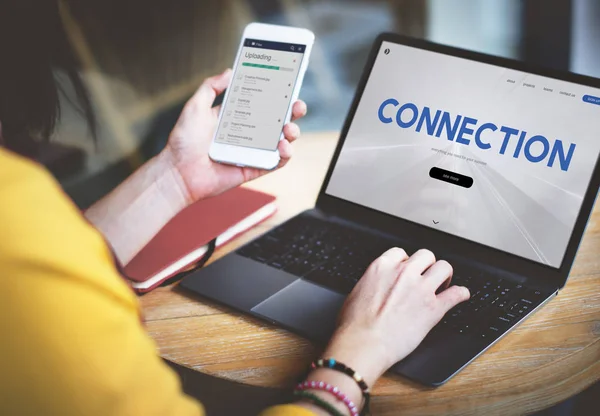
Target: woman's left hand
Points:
x,y
191,137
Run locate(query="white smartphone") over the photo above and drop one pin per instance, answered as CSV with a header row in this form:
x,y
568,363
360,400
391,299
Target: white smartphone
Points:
x,y
267,76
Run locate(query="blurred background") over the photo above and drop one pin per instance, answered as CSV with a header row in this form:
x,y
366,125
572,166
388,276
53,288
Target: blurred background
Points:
x,y
141,59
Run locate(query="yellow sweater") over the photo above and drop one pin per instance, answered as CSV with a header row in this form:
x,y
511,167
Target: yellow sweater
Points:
x,y
71,338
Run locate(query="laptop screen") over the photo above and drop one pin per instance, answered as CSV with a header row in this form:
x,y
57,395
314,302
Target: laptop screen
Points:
x,y
493,155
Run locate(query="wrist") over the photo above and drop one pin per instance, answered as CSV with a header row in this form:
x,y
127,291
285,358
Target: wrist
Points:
x,y
361,352
172,182
131,215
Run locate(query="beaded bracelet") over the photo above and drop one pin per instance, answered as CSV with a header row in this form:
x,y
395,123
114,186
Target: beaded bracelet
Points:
x,y
320,385
343,368
336,365
317,401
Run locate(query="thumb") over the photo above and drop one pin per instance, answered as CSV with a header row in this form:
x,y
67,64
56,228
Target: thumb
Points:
x,y
210,88
452,296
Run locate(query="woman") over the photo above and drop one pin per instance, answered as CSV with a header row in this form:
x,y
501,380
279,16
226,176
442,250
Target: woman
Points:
x,y
72,330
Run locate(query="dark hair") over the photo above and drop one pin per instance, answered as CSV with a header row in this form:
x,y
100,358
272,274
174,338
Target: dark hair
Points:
x,y
33,45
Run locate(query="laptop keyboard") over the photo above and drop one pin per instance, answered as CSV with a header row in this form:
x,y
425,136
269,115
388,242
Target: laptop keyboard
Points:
x,y
325,253
496,305
336,257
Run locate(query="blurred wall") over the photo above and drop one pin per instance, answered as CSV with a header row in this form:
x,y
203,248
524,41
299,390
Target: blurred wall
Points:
x,y
490,26
585,39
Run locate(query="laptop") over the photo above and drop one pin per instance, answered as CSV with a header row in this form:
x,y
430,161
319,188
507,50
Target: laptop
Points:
x,y
490,163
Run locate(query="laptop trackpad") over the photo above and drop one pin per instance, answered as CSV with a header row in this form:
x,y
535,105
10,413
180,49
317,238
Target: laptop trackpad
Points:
x,y
304,307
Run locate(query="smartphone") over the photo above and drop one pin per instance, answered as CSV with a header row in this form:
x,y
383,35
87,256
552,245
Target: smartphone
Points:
x,y
267,76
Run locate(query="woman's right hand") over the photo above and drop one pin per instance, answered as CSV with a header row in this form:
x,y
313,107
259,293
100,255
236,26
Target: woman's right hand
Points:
x,y
391,310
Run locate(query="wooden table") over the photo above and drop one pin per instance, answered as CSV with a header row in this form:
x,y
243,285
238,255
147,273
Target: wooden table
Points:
x,y
552,356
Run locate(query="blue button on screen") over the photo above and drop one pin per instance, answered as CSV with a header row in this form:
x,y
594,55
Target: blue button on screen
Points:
x,y
591,99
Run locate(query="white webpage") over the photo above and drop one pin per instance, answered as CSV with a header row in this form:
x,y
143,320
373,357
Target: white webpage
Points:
x,y
260,94
493,155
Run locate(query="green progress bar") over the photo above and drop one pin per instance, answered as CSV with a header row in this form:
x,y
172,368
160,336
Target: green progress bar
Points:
x,y
276,68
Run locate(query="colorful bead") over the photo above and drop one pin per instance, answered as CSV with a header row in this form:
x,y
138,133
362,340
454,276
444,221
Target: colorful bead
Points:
x,y
341,367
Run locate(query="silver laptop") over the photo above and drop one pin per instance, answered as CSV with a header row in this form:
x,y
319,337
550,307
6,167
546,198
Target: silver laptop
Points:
x,y
490,163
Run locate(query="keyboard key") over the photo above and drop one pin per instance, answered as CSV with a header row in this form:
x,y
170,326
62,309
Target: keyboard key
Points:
x,y
299,268
464,329
276,263
260,257
492,300
525,308
534,295
494,331
504,321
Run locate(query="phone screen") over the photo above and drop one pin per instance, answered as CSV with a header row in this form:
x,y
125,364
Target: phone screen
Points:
x,y
260,94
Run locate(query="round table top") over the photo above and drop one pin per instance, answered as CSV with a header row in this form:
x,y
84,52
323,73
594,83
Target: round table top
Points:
x,y
551,356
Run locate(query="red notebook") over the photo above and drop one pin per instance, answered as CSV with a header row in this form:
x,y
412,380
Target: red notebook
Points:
x,y
186,239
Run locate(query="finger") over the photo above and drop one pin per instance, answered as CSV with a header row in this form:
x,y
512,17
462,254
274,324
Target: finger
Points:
x,y
451,297
291,132
388,264
421,261
444,286
210,88
396,254
252,173
299,110
384,270
438,274
285,152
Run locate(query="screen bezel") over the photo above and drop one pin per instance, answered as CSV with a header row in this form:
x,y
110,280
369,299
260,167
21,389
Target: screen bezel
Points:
x,y
441,241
